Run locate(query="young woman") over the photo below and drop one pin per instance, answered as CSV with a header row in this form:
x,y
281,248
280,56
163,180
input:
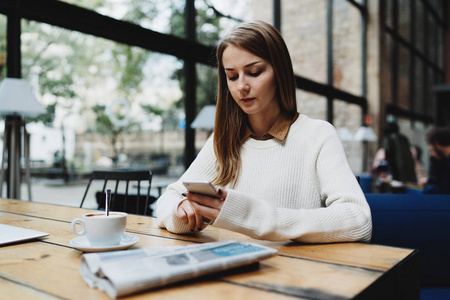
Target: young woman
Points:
x,y
280,175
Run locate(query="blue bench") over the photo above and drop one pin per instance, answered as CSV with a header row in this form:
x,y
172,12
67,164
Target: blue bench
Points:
x,y
420,222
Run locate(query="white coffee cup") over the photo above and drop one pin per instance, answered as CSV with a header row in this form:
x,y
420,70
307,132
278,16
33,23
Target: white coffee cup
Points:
x,y
101,230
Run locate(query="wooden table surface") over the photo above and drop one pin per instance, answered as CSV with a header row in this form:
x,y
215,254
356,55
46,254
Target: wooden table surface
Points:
x,y
49,268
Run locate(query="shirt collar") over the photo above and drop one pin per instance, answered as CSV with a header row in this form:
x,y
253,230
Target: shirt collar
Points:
x,y
279,130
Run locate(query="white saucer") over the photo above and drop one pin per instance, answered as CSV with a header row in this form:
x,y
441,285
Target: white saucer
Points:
x,y
82,243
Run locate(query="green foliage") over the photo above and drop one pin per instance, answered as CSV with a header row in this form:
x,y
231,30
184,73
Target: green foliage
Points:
x,y
46,118
105,127
208,31
128,67
177,19
153,109
62,87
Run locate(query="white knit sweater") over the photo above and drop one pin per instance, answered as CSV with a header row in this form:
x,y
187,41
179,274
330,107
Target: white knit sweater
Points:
x,y
300,189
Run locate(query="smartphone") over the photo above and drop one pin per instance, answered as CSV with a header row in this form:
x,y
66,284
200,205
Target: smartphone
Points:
x,y
201,187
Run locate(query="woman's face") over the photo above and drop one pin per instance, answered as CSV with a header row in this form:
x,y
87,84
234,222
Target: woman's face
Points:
x,y
251,81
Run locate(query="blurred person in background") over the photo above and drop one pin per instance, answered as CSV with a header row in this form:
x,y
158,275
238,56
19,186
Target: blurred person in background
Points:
x,y
421,173
397,156
439,147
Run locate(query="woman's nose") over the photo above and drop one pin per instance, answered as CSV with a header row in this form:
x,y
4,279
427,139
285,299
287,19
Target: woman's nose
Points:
x,y
242,85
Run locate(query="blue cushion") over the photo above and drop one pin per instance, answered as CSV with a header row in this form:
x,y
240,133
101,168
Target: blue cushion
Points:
x,y
419,222
434,293
365,182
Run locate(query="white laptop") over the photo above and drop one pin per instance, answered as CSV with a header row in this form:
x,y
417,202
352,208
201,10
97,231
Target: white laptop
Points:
x,y
12,234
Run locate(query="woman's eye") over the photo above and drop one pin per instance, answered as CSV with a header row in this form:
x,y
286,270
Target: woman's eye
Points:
x,y
232,78
254,74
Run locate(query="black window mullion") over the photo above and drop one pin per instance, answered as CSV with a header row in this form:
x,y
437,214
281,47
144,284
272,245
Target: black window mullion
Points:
x,y
363,11
13,64
13,30
429,8
330,58
190,86
277,14
412,59
80,19
325,90
362,7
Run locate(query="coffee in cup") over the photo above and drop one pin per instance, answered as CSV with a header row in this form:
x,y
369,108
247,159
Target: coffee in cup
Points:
x,y
100,229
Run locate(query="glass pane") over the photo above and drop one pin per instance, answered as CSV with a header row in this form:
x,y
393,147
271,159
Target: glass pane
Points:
x,y
306,39
313,105
346,47
418,140
419,26
430,99
440,6
418,86
403,76
216,18
429,38
440,48
348,117
432,40
386,69
161,16
404,126
387,6
263,10
206,85
2,46
404,18
114,106
206,95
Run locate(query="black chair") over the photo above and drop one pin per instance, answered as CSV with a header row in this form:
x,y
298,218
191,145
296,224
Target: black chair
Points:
x,y
129,203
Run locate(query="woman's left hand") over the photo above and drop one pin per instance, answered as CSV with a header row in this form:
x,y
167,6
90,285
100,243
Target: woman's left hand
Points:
x,y
208,207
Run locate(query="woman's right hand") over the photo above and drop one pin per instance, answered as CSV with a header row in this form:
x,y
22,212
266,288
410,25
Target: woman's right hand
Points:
x,y
188,215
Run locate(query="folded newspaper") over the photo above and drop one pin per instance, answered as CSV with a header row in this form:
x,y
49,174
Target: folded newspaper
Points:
x,y
125,272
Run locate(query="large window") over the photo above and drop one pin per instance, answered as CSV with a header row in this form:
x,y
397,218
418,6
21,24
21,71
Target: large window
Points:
x,y
347,50
214,18
413,46
412,49
106,96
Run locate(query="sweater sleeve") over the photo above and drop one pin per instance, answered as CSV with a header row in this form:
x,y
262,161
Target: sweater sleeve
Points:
x,y
343,214
202,168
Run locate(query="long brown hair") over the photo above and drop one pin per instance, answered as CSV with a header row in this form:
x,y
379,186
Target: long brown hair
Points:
x,y
264,41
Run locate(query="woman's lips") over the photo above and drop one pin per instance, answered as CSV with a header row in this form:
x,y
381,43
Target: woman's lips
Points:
x,y
247,99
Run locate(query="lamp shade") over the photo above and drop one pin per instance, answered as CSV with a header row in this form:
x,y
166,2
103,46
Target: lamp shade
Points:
x,y
17,98
345,134
205,118
365,134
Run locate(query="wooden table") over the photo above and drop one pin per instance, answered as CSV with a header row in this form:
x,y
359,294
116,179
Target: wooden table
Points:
x,y
49,268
